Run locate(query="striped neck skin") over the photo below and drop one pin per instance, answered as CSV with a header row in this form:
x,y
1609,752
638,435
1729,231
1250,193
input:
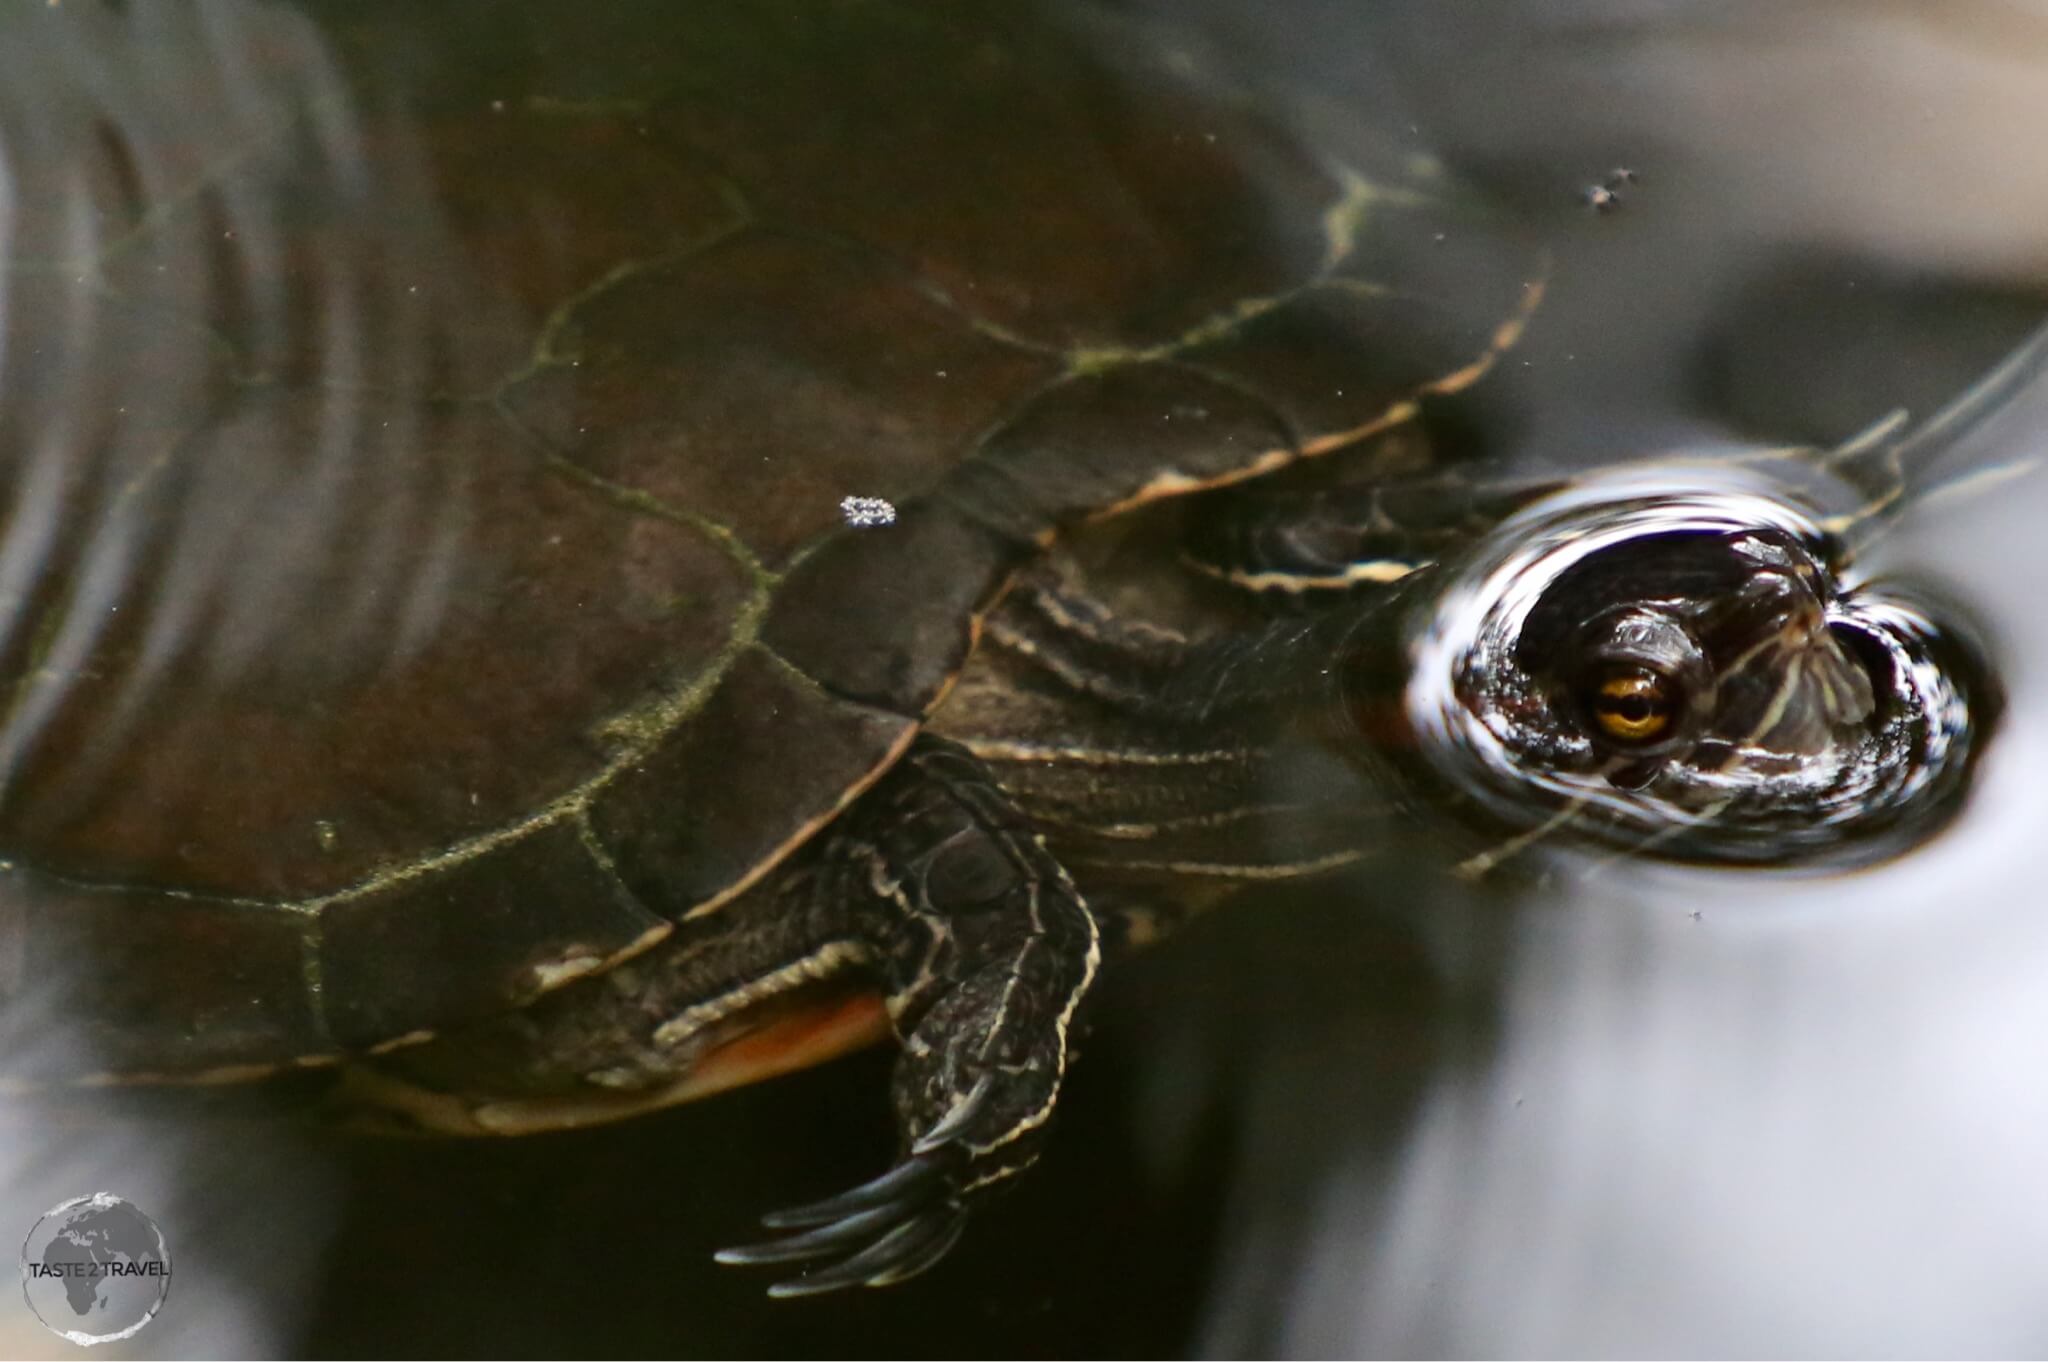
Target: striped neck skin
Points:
x,y
1150,760
1687,672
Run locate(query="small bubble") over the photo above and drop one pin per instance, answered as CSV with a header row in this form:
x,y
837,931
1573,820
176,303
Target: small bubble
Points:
x,y
865,513
326,834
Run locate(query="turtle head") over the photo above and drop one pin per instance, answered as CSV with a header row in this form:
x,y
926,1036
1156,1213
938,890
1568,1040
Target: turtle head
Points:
x,y
1690,671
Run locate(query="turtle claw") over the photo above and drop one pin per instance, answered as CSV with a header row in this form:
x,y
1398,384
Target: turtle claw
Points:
x,y
814,1243
898,1183
958,1119
908,1218
902,1253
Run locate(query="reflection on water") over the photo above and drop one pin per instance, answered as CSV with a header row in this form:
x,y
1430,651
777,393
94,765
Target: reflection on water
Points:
x,y
1738,1114
1670,663
1642,1109
1728,1113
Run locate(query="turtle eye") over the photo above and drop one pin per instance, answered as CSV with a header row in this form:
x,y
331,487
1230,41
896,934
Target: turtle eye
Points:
x,y
1634,705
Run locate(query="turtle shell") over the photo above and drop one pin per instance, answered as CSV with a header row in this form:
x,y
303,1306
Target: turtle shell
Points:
x,y
425,579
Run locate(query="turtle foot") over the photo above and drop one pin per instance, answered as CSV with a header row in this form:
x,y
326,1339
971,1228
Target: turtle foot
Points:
x,y
899,1224
986,949
907,1219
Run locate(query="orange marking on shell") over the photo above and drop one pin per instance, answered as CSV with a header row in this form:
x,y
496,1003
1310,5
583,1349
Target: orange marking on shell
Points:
x,y
834,1026
1504,338
1173,483
1404,410
976,623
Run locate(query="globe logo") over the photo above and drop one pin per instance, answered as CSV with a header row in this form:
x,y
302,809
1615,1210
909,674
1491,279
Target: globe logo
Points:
x,y
95,1269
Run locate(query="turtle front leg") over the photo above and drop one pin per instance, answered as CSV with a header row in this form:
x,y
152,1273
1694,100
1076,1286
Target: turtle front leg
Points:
x,y
987,949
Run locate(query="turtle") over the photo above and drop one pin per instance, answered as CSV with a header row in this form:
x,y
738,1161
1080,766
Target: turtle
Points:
x,y
547,597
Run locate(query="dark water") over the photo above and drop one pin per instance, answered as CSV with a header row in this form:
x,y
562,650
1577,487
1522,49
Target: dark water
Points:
x,y
1626,1110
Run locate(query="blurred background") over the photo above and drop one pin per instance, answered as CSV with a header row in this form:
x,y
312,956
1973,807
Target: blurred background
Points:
x,y
1624,1110
1718,1113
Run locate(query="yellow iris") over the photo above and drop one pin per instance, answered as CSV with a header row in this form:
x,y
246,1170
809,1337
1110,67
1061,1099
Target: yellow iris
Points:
x,y
1633,706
